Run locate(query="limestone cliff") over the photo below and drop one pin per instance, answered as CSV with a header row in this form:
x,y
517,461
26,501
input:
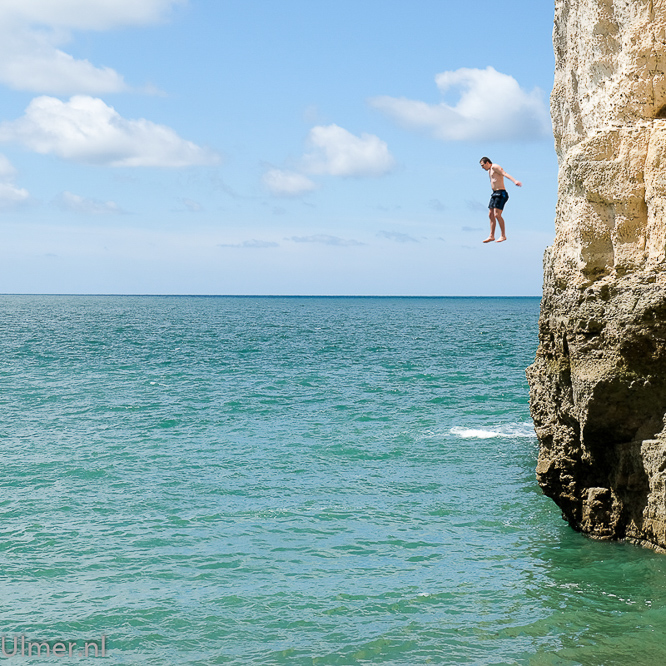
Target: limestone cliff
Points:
x,y
598,384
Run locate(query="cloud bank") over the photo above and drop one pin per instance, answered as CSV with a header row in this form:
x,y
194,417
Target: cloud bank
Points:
x,y
31,32
491,106
10,195
87,131
284,183
337,152
85,14
331,151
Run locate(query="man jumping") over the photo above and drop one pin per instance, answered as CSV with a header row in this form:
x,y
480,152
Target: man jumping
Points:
x,y
498,198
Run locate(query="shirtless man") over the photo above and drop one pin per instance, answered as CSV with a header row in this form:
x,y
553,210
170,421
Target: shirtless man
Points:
x,y
499,197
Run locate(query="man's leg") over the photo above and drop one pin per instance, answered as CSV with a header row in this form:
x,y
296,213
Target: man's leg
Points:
x,y
500,221
491,215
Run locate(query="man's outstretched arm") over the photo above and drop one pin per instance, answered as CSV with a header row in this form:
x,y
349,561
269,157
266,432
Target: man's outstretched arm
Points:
x,y
517,183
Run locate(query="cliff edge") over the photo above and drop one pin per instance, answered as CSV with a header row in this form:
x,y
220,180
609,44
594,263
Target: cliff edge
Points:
x,y
598,383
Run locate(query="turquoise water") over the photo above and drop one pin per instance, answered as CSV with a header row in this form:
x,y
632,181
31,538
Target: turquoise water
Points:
x,y
295,481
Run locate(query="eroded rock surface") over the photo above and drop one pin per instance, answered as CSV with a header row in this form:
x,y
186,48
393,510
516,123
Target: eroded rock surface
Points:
x,y
598,384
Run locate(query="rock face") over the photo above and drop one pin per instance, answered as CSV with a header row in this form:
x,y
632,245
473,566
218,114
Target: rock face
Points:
x,y
598,384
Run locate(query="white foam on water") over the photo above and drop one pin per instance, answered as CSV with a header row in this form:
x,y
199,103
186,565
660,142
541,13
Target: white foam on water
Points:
x,y
467,433
507,430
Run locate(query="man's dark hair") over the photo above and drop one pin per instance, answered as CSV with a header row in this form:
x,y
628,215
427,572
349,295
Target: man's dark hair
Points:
x,y
485,160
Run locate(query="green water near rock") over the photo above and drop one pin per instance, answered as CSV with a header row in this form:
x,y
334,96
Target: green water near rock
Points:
x,y
295,481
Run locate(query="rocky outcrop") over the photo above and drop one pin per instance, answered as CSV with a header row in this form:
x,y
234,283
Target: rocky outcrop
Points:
x,y
598,383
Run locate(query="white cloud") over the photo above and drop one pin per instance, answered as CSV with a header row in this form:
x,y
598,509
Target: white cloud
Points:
x,y
86,130
31,32
337,152
7,170
86,14
34,65
332,151
491,106
283,183
77,204
10,194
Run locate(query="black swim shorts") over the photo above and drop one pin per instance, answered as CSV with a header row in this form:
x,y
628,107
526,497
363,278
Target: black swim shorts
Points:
x,y
498,199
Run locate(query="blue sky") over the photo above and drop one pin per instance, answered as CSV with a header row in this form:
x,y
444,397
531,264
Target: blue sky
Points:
x,y
273,146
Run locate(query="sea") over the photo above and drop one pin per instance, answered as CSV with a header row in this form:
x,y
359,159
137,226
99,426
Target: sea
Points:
x,y
293,480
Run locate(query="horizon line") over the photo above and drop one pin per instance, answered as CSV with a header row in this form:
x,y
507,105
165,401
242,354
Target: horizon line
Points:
x,y
147,295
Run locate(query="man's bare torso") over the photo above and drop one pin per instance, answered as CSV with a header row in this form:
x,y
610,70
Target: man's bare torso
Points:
x,y
496,174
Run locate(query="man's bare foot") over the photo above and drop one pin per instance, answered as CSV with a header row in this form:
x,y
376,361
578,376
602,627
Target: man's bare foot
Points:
x,y
490,239
500,239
